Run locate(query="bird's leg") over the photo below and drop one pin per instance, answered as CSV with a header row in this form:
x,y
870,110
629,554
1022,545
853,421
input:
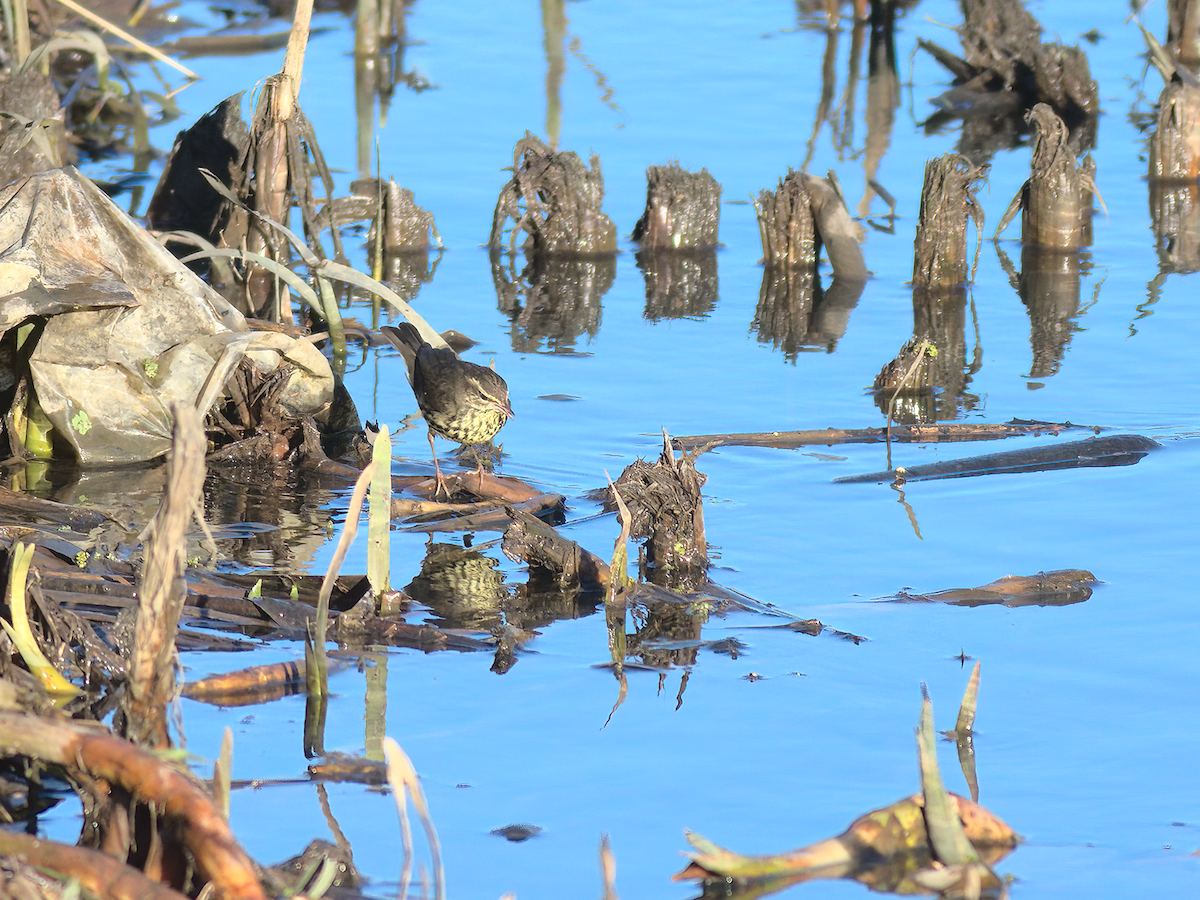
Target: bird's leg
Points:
x,y
478,466
439,481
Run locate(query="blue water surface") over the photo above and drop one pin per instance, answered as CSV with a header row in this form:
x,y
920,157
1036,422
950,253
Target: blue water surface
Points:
x,y
1087,724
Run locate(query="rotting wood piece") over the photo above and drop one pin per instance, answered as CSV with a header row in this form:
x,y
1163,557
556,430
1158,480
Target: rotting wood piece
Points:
x,y
683,209
530,540
246,681
555,200
22,509
492,517
200,827
947,204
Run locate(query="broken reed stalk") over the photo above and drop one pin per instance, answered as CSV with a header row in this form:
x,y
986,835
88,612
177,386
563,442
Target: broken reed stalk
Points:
x,y
616,600
223,773
379,515
162,589
18,31
318,679
608,869
1183,30
293,59
271,198
124,35
271,163
402,777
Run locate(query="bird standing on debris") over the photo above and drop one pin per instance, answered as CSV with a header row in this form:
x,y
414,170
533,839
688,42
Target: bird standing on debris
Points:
x,y
460,400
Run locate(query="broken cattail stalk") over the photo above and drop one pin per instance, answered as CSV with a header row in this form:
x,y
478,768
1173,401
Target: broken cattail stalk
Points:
x,y
947,204
1175,143
1056,201
786,226
1183,30
804,214
555,200
683,209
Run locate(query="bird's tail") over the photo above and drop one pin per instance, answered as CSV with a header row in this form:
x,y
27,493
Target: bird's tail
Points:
x,y
405,338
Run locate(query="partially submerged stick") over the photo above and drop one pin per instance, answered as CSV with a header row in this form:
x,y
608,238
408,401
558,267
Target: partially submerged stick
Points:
x,y
913,434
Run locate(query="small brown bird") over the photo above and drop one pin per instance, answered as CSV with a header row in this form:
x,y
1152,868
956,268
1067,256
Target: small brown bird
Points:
x,y
460,400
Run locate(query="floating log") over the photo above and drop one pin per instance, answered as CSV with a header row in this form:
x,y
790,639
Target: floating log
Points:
x,y
530,540
1111,450
1060,587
